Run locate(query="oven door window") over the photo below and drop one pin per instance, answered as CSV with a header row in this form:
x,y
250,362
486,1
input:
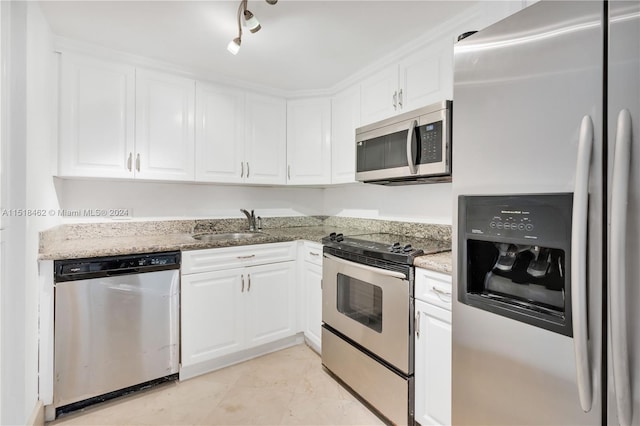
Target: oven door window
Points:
x,y
360,301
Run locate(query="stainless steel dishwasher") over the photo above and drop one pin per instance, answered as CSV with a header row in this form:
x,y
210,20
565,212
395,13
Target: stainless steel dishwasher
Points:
x,y
116,326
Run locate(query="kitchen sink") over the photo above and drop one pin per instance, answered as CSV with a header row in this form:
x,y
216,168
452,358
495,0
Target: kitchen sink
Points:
x,y
228,236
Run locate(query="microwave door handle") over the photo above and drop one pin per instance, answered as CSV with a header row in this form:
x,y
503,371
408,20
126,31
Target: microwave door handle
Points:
x,y
617,263
579,226
410,143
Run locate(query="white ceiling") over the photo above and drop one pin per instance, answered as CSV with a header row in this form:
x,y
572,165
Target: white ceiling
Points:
x,y
303,44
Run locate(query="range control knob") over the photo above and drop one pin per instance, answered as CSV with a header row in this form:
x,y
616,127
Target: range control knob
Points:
x,y
332,236
339,237
395,247
407,248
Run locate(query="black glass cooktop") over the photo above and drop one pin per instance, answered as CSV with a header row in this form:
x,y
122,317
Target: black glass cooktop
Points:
x,y
390,247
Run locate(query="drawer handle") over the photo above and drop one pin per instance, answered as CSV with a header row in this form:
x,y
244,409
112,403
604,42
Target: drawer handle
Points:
x,y
417,324
242,277
246,257
249,278
314,254
441,293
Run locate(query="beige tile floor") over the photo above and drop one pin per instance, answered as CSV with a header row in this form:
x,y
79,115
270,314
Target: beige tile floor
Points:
x,y
287,387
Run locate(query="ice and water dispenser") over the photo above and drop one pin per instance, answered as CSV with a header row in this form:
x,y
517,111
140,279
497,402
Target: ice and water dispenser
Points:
x,y
515,253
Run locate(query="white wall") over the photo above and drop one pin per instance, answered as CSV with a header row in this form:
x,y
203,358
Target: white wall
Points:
x,y
40,192
26,183
425,203
13,337
163,200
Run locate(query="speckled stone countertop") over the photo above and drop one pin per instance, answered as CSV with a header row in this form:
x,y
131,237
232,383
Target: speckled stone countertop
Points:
x,y
77,241
439,262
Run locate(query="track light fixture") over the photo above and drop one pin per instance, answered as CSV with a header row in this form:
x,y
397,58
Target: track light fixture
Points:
x,y
250,21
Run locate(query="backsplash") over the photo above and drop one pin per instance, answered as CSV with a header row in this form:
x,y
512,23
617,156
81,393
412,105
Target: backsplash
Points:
x,y
418,230
83,231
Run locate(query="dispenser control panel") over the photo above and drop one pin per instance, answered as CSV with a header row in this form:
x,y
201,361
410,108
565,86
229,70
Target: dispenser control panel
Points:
x,y
518,216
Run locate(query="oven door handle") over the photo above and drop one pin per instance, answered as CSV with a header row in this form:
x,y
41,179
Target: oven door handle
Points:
x,y
378,271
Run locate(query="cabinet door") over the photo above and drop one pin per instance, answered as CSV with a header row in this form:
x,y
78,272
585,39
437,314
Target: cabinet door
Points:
x,y
379,95
309,141
164,126
97,102
270,297
265,139
212,308
219,134
432,365
345,118
312,277
427,76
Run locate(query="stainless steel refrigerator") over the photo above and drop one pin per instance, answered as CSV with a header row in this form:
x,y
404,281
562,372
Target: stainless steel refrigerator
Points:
x,y
546,180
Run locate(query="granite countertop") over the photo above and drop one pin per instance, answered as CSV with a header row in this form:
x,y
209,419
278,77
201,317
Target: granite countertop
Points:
x,y
101,240
439,262
114,245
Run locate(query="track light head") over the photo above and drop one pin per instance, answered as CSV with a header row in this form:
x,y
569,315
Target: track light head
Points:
x,y
234,45
251,21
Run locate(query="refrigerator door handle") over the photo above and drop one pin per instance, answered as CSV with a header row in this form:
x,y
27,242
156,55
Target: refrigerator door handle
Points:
x,y
617,262
579,264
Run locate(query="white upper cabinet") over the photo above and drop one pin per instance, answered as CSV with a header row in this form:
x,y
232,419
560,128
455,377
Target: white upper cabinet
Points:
x,y
345,118
379,95
97,100
219,134
265,139
419,79
165,108
427,76
309,141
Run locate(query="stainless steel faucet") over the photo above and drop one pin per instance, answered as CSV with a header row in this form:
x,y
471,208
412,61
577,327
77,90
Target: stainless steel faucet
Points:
x,y
251,218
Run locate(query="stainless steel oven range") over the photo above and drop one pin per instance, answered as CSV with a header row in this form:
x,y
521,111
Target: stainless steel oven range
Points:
x,y
367,315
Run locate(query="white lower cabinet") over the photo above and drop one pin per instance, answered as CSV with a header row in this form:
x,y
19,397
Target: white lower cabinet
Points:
x,y
271,309
312,284
228,311
212,315
433,352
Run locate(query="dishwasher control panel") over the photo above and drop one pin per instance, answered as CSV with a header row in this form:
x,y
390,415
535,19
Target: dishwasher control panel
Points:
x,y
78,269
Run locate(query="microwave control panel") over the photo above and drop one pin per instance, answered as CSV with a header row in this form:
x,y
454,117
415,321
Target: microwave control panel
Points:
x,y
430,143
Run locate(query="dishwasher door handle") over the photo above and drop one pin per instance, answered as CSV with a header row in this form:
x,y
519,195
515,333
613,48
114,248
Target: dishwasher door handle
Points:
x,y
123,272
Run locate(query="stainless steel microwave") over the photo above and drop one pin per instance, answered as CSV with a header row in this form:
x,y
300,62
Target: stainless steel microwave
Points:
x,y
414,147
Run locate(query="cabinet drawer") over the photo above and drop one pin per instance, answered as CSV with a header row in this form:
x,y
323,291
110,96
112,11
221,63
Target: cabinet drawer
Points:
x,y
206,260
434,288
312,253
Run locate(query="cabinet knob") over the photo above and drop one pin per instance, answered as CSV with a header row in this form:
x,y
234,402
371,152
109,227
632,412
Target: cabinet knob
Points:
x,y
247,169
400,98
130,161
289,171
242,278
138,162
395,100
241,169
